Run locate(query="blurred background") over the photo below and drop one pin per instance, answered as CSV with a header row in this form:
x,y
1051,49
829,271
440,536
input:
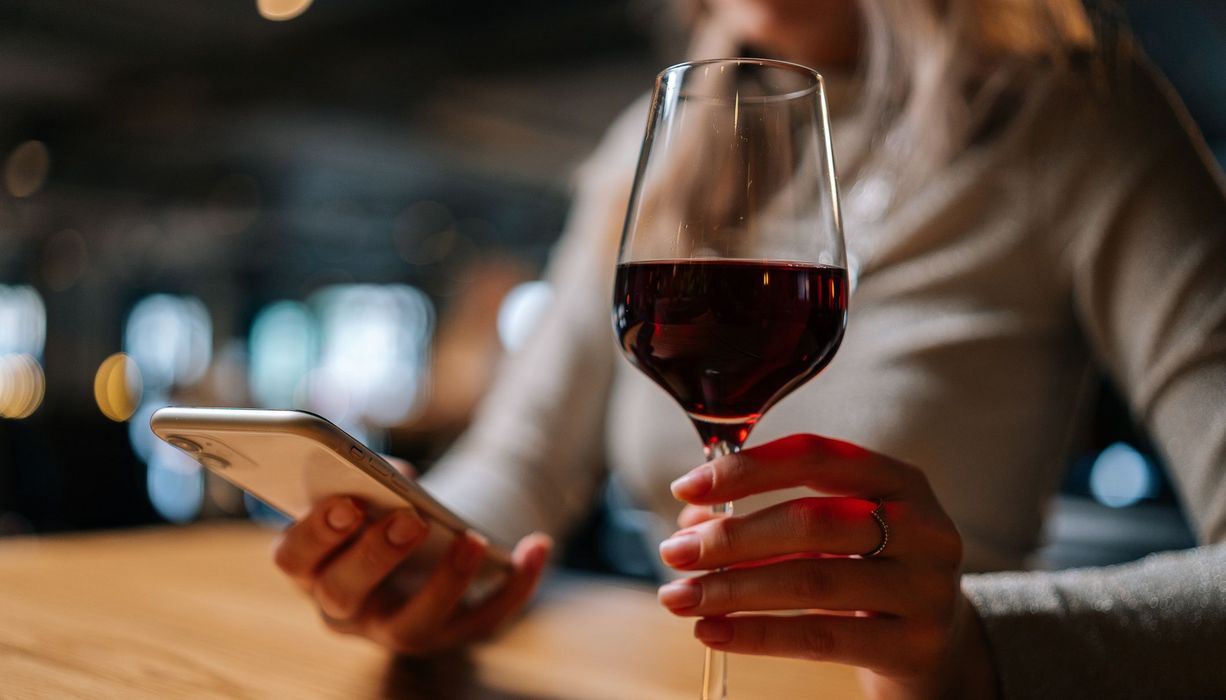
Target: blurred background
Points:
x,y
343,207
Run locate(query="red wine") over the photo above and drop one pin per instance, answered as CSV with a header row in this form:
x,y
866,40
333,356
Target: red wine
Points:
x,y
729,338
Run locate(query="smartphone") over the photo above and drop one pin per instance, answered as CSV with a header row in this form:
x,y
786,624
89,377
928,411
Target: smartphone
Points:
x,y
291,460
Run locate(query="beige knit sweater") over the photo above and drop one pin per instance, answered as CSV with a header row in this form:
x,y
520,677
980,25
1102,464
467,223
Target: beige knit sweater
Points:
x,y
1084,233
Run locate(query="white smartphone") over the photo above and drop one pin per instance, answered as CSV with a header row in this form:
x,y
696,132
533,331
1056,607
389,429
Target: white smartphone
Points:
x,y
291,460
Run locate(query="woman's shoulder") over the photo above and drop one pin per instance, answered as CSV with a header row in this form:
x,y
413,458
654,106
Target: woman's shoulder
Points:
x,y
1086,138
1117,110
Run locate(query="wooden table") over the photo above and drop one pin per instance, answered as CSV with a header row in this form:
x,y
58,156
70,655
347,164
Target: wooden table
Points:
x,y
201,612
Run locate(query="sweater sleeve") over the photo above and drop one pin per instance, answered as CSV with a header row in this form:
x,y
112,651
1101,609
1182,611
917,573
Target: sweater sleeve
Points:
x,y
1154,628
534,454
1148,272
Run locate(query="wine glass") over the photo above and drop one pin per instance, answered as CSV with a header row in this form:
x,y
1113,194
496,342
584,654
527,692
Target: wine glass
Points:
x,y
731,286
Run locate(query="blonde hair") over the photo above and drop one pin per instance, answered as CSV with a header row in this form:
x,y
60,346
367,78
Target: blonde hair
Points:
x,y
934,70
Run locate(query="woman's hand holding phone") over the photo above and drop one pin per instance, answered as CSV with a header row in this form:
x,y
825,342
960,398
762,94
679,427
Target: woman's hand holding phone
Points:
x,y
343,560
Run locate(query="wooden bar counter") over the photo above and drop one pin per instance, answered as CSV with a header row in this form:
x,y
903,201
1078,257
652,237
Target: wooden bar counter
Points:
x,y
201,612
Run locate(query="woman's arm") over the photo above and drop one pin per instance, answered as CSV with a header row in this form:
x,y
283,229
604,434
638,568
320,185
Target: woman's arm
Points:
x,y
534,454
1148,274
1150,629
1150,292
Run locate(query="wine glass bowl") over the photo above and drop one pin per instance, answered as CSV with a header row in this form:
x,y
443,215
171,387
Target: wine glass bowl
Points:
x,y
729,338
731,287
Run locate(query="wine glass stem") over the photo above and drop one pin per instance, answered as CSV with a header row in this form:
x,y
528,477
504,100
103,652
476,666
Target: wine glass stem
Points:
x,y
715,663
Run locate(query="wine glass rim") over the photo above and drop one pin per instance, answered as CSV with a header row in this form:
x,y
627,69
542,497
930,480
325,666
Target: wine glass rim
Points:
x,y
735,260
816,87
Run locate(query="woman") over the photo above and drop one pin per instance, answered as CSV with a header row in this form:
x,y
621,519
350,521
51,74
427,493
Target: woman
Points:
x,y
1022,204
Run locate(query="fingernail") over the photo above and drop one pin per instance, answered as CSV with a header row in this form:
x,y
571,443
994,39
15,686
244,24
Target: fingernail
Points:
x,y
695,484
342,516
540,554
713,630
469,554
405,527
680,595
680,550
536,558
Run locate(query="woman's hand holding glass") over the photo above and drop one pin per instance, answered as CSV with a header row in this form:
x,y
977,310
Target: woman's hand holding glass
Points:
x,y
347,562
900,615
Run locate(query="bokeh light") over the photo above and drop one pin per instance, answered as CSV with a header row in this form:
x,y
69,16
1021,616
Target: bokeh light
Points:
x,y
375,346
23,321
281,10
521,310
23,331
140,435
22,385
1122,477
175,483
118,387
284,347
170,338
26,169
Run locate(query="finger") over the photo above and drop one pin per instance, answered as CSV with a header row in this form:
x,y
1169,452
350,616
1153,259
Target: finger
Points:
x,y
692,515
410,628
528,562
802,526
401,466
830,584
831,466
343,584
310,541
860,641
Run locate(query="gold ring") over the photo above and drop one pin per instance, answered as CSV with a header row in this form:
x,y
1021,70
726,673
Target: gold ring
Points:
x,y
879,516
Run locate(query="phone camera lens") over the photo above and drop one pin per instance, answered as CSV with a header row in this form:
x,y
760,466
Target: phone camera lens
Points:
x,y
183,443
213,461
